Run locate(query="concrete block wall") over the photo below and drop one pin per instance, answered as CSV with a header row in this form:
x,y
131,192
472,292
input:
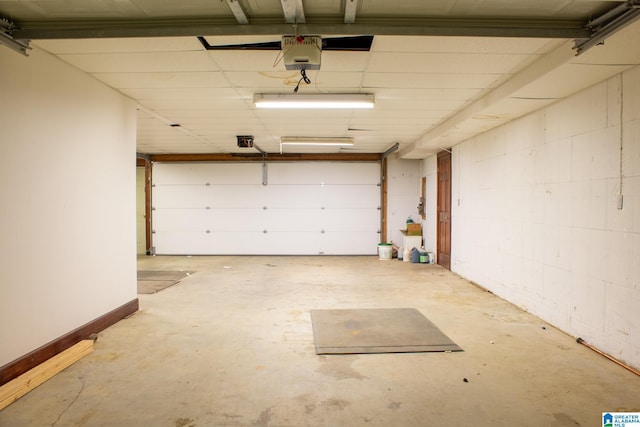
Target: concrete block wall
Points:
x,y
536,219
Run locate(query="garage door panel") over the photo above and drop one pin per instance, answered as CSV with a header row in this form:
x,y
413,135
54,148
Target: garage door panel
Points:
x,y
281,196
352,196
348,220
291,243
332,243
236,196
182,243
203,173
290,220
181,220
179,196
234,220
305,208
316,173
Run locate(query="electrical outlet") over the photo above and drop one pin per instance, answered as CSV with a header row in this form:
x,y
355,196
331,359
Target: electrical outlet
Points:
x,y
620,201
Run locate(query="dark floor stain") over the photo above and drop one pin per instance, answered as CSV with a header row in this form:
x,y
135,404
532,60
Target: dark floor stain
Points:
x,y
308,409
565,420
394,405
340,368
264,418
184,422
335,403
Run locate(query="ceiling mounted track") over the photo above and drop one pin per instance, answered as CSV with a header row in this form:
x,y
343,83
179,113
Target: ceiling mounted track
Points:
x,y
7,39
607,24
463,27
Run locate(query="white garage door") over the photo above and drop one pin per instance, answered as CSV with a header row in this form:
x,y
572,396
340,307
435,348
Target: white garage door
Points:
x,y
305,208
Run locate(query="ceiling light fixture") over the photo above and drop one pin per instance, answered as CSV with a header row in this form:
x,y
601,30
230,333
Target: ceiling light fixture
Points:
x,y
316,100
316,141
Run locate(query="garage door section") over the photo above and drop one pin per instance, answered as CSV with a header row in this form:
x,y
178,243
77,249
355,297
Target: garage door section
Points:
x,y
304,208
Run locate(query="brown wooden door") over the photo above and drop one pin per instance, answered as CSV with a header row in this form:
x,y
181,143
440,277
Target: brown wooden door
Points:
x,y
444,209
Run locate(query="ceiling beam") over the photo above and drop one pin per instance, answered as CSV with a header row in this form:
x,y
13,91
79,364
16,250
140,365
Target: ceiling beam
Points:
x,y
293,11
466,27
238,12
350,7
544,65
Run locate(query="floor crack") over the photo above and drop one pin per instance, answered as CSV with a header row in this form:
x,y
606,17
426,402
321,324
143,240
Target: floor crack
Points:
x,y
70,403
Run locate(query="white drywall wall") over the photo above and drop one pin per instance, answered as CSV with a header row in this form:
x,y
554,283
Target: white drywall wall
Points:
x,y
403,191
535,216
429,169
67,180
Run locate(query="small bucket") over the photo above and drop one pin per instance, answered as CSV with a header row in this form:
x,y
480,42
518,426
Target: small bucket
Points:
x,y
385,251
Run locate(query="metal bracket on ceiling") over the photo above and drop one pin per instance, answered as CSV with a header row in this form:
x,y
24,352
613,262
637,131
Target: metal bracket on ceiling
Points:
x,y
391,150
265,172
238,11
293,11
607,24
6,37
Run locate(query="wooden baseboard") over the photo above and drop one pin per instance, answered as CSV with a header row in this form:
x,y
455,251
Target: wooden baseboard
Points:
x,y
18,387
30,360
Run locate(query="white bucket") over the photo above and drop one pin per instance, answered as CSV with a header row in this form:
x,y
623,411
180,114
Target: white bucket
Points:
x,y
385,251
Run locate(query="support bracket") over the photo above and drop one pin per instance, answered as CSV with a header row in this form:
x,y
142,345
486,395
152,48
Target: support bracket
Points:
x,y
607,24
6,38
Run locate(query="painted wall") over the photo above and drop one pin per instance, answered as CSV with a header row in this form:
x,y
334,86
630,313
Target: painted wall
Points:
x,y
429,168
403,191
67,181
535,216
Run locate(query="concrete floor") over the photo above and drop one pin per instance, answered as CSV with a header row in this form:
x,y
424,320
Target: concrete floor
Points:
x,y
232,345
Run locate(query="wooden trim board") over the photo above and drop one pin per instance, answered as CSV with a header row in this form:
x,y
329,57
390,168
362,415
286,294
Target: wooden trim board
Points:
x,y
18,387
30,360
271,157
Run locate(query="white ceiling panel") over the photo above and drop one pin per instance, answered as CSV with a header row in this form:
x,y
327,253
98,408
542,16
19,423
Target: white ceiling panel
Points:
x,y
119,45
419,104
183,93
384,62
427,94
141,62
476,45
430,91
246,60
195,104
430,80
204,114
164,80
287,80
344,61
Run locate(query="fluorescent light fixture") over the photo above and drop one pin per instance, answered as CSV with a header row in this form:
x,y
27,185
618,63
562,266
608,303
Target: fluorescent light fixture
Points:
x,y
316,100
316,141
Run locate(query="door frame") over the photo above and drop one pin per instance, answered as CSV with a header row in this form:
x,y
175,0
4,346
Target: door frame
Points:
x,y
445,262
146,164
